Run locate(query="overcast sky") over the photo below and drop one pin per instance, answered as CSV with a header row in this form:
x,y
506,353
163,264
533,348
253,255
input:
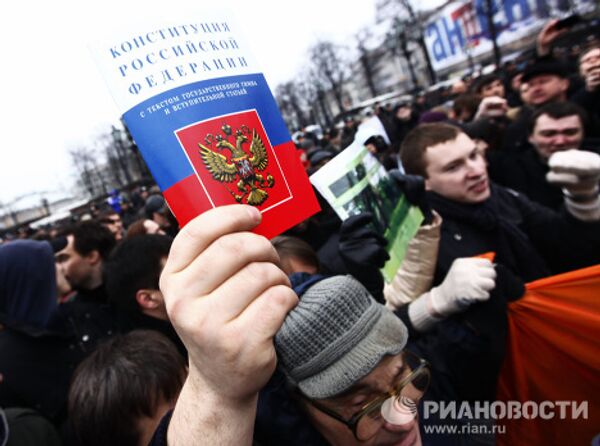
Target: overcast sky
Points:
x,y
53,98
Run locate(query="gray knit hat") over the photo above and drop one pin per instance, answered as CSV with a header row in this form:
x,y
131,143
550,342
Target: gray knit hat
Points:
x,y
336,335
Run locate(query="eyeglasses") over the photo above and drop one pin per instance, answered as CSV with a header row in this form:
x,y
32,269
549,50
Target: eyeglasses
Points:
x,y
111,221
408,388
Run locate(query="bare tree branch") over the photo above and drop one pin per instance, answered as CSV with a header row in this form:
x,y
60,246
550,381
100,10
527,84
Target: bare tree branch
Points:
x,y
331,67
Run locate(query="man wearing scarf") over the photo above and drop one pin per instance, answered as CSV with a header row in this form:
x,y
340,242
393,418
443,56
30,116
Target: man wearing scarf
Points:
x,y
478,216
460,324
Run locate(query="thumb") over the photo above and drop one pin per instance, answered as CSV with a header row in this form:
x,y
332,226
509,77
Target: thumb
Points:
x,y
562,178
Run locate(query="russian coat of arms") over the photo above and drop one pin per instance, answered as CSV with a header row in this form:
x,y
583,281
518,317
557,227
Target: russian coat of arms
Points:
x,y
240,165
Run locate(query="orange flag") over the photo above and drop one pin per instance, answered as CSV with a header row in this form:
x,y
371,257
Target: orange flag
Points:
x,y
553,354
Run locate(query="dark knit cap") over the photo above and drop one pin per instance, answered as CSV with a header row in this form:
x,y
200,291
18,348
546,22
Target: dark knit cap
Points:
x,y
154,203
335,336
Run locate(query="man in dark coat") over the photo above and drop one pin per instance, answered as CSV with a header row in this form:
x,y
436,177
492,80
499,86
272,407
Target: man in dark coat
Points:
x,y
543,82
554,127
85,247
460,325
531,240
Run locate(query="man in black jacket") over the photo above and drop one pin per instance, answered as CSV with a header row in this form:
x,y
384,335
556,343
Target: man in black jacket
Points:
x,y
88,244
131,274
531,240
460,325
543,82
554,127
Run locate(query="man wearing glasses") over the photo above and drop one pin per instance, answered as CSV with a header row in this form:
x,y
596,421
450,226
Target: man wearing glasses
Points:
x,y
341,352
343,356
112,221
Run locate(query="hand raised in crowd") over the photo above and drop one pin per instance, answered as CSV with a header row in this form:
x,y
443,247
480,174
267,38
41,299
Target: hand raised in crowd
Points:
x,y
413,188
589,68
226,298
469,280
492,107
592,79
578,172
547,35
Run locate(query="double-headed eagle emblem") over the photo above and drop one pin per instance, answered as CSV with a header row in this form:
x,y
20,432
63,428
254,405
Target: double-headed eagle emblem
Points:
x,y
240,165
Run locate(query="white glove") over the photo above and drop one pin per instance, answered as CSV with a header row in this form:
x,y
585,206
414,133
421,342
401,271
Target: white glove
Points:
x,y
469,280
578,172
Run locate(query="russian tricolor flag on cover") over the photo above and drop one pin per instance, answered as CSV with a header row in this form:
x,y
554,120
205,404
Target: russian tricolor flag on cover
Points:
x,y
205,121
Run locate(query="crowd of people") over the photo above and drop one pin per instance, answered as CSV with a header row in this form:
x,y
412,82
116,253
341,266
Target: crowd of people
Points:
x,y
123,329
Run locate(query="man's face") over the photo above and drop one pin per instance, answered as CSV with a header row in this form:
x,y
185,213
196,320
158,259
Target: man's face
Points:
x,y
78,270
371,148
457,170
494,88
545,88
376,383
161,219
554,135
589,62
114,224
63,287
458,87
403,113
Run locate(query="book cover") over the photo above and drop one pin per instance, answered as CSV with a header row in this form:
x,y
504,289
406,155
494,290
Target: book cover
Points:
x,y
205,120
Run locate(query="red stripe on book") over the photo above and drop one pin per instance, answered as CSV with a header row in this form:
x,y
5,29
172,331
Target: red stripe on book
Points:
x,y
292,197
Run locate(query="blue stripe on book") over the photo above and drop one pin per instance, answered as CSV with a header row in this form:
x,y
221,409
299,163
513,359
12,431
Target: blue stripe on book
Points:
x,y
153,129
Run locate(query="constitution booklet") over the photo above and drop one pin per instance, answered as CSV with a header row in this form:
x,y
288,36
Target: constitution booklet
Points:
x,y
205,120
